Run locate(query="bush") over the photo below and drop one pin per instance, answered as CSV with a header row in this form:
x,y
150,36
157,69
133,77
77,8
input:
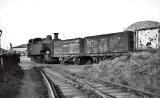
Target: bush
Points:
x,y
139,70
10,81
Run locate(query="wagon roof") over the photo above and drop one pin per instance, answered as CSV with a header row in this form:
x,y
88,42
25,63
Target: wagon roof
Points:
x,y
142,25
109,34
71,39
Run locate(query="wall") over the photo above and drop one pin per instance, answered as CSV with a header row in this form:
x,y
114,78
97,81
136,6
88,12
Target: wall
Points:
x,y
20,50
147,39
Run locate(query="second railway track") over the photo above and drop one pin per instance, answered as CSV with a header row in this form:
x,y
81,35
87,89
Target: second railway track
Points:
x,y
65,87
51,87
99,89
96,90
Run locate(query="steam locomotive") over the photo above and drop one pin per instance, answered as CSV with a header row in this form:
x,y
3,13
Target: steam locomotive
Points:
x,y
92,49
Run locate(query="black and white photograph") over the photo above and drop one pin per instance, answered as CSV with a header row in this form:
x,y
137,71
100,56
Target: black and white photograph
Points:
x,y
79,48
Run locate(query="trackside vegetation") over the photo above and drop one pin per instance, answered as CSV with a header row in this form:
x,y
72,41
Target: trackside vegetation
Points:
x,y
140,70
11,75
10,81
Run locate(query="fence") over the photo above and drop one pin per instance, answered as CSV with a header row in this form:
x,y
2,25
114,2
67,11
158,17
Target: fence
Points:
x,y
9,59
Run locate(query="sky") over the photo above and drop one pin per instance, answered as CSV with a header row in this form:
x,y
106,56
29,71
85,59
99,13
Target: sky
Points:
x,y
21,20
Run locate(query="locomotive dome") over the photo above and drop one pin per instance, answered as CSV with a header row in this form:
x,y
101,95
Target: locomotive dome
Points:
x,y
142,25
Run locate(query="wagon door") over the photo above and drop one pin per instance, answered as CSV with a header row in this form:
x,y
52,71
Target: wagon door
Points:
x,y
104,45
146,39
116,43
92,45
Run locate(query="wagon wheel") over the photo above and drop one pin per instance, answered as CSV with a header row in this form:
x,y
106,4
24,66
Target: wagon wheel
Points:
x,y
95,60
62,62
89,61
77,61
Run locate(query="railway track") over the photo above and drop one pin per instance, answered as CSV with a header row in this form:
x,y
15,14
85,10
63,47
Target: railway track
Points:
x,y
51,87
65,86
73,88
106,89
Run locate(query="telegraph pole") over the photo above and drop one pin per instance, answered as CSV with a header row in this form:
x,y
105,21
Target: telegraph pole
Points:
x,y
1,58
0,41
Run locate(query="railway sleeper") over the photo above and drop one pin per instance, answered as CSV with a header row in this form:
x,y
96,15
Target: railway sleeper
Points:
x,y
86,87
81,86
124,88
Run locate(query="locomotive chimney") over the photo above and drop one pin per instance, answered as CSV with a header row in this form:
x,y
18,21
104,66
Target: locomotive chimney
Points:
x,y
56,36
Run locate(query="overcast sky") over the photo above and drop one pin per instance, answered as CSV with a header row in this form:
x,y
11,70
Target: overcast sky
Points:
x,y
21,20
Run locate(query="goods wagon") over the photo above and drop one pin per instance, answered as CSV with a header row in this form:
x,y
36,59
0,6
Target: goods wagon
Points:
x,y
109,43
68,50
147,38
104,46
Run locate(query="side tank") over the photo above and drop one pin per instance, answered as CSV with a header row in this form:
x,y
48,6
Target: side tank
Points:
x,y
48,49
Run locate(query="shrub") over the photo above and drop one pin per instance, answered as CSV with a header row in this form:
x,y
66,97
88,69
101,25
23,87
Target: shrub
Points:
x,y
10,81
139,70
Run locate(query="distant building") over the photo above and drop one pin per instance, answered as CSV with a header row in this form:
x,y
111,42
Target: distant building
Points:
x,y
147,34
142,25
3,50
22,49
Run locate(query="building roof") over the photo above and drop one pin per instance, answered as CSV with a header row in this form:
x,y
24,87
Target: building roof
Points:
x,y
21,46
142,25
3,50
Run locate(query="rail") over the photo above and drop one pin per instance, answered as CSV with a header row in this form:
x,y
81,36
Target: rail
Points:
x,y
137,91
130,88
52,92
87,87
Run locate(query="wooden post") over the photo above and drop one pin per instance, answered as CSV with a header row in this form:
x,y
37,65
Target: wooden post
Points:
x,y
1,56
1,61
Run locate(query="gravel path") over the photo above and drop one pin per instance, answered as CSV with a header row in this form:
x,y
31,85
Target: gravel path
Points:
x,y
32,86
28,88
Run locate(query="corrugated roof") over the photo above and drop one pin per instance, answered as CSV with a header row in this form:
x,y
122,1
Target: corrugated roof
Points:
x,y
142,25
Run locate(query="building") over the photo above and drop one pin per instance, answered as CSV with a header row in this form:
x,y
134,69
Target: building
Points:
x,y
142,25
3,50
22,49
147,34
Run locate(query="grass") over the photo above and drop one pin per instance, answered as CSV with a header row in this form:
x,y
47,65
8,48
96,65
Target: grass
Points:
x,y
10,81
139,70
